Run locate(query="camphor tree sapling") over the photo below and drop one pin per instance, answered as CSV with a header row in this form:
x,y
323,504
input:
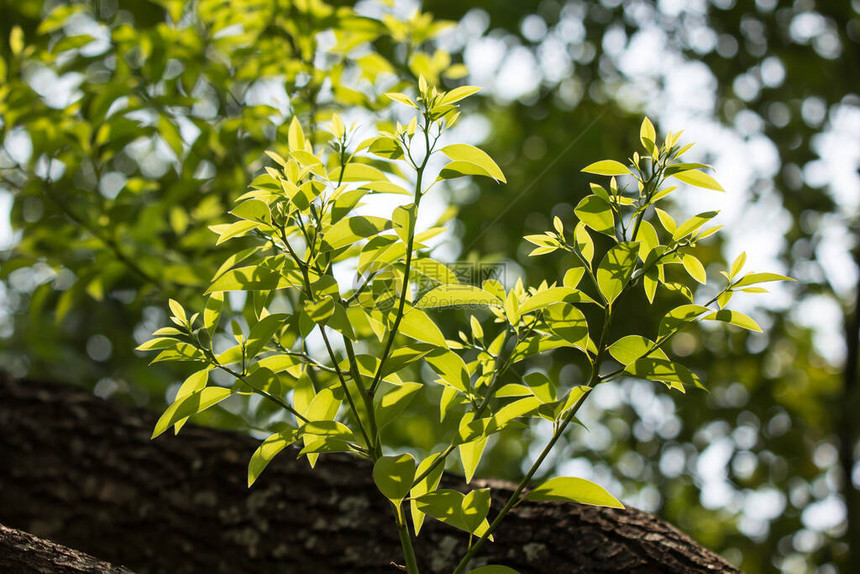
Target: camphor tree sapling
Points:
x,y
340,364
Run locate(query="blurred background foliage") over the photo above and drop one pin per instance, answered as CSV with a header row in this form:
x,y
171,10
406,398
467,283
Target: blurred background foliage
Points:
x,y
128,126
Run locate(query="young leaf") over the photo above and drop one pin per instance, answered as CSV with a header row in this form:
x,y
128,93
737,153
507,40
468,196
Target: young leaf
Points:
x,y
648,136
457,295
394,402
543,299
583,242
734,318
698,178
327,428
664,371
695,268
190,405
212,312
262,332
679,317
418,325
403,218
393,476
754,278
574,490
470,455
569,323
471,154
267,451
608,167
427,484
351,229
666,220
627,349
458,94
250,278
459,168
738,264
319,311
615,269
402,99
692,224
596,214
447,506
476,506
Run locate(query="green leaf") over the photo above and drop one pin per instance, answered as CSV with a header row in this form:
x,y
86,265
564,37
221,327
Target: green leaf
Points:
x,y
541,387
574,490
357,172
450,367
698,178
514,410
386,147
695,268
319,311
467,296
647,238
351,229
663,371
666,220
648,136
615,269
627,349
735,318
190,405
393,476
738,264
547,297
596,213
447,506
212,312
692,224
470,456
250,278
267,451
427,484
458,94
569,323
417,325
471,154
394,402
679,317
476,506
262,332
402,99
158,343
459,168
253,210
583,242
573,276
608,167
403,218
753,278
327,428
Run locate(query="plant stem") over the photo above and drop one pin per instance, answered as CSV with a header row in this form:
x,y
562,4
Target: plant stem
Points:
x,y
514,499
409,246
405,540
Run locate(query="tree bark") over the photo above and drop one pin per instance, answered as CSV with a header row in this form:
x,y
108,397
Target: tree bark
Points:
x,y
83,472
23,552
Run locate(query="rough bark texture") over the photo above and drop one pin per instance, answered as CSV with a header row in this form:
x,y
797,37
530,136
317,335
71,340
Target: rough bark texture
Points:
x,y
83,472
23,552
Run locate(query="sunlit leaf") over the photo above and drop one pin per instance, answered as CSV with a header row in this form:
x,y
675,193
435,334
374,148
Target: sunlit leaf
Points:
x,y
574,490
